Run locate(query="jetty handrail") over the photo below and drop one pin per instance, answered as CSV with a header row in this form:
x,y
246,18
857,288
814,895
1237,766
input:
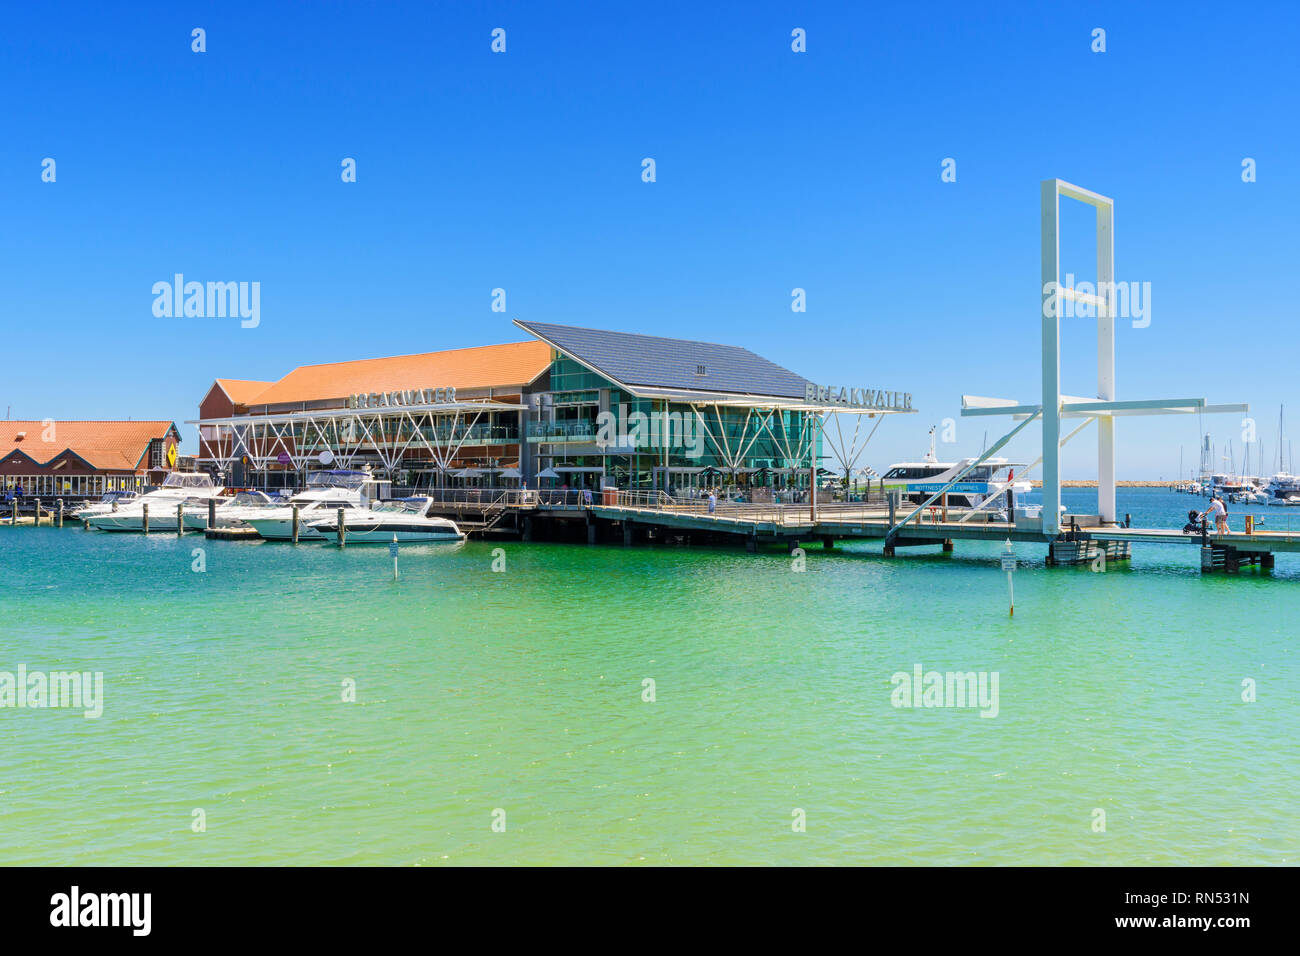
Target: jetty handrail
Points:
x,y
657,499
988,453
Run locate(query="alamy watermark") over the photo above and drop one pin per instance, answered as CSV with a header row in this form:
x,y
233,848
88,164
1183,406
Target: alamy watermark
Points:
x,y
1129,300
38,690
212,300
127,910
624,429
923,688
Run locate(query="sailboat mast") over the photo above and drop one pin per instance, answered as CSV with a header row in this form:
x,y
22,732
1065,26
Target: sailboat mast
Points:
x,y
1280,409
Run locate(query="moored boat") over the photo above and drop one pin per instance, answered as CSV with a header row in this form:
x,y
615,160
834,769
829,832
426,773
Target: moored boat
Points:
x,y
229,512
326,492
180,488
402,519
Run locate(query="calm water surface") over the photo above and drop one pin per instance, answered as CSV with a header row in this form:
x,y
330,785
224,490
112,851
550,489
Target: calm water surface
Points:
x,y
522,690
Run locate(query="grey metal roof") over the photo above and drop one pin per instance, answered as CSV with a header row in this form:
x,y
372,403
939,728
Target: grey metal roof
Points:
x,y
655,362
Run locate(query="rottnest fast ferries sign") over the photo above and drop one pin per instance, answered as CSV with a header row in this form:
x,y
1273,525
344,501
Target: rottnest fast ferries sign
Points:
x,y
408,396
865,398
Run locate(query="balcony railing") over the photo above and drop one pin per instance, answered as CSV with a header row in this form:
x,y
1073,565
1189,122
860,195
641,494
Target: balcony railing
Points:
x,y
475,435
584,431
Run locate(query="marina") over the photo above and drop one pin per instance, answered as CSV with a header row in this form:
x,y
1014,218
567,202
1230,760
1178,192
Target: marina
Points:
x,y
636,518
606,436
597,436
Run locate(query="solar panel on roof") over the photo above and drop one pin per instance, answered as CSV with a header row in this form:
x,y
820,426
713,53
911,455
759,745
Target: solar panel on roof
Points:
x,y
656,362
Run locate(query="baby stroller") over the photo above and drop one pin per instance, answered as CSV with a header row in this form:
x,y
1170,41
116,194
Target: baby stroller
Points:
x,y
1193,525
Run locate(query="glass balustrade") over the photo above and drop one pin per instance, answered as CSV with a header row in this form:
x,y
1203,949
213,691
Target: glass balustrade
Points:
x,y
579,430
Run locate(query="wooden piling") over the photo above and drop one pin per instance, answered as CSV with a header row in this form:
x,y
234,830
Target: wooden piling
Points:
x,y
144,517
343,530
212,513
295,524
180,520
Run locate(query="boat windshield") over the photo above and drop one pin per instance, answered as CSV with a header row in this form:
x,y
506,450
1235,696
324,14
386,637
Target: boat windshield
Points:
x,y
991,472
350,480
249,499
179,479
915,471
406,506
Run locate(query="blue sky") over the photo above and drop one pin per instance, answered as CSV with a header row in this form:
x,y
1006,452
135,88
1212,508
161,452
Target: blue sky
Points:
x,y
775,170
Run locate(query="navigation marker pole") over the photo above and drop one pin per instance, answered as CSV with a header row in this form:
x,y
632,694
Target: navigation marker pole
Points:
x,y
1009,566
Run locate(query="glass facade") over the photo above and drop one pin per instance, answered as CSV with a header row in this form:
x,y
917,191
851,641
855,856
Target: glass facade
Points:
x,y
663,444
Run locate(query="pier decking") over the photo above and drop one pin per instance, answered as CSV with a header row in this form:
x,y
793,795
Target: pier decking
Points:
x,y
653,515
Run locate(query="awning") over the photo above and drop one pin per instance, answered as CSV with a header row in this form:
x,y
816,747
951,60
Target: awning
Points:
x,y
511,473
548,473
575,468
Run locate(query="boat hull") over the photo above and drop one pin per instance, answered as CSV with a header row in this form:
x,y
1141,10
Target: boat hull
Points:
x,y
281,529
369,533
133,521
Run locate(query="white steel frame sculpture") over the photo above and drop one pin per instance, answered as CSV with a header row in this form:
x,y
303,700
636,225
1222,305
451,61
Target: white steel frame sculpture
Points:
x,y
1055,407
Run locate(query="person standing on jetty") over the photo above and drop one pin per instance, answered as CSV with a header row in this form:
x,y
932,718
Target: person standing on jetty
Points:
x,y
1220,513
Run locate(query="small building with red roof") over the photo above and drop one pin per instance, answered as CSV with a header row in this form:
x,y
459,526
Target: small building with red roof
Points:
x,y
86,458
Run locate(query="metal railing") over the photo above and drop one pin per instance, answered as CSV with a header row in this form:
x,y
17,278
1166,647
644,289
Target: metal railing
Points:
x,y
576,430
786,515
492,502
477,499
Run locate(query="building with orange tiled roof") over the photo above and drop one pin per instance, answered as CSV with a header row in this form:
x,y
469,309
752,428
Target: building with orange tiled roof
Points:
x,y
83,458
575,408
425,416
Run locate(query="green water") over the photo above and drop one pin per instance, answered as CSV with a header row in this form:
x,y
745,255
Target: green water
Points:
x,y
522,690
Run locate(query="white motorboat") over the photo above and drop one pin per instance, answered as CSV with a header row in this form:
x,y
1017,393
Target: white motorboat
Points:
x,y
1283,489
403,519
180,488
229,512
106,503
326,492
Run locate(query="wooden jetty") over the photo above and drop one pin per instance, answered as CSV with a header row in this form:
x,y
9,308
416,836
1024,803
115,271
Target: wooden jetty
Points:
x,y
634,517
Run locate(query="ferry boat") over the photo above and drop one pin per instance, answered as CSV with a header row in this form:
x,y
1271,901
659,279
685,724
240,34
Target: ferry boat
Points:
x,y
920,479
326,492
402,519
188,488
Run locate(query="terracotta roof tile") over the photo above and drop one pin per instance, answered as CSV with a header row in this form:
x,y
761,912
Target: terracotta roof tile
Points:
x,y
104,445
486,366
242,391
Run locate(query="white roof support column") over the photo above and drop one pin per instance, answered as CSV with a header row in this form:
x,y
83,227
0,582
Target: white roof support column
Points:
x,y
1105,407
1106,360
1051,313
1104,303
